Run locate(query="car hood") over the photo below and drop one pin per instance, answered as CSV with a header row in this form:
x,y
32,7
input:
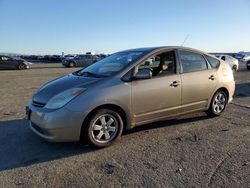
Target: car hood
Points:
x,y
54,87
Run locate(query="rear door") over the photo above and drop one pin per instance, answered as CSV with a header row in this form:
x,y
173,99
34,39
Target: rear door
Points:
x,y
199,80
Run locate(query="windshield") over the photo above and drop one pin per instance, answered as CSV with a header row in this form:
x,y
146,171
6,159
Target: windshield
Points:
x,y
111,65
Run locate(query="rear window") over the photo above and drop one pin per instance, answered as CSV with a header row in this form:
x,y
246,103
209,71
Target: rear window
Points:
x,y
213,62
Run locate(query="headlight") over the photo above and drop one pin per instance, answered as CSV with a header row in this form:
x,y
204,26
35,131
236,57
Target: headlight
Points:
x,y
63,98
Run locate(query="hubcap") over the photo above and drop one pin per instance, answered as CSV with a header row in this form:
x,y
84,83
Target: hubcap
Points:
x,y
105,128
219,103
21,66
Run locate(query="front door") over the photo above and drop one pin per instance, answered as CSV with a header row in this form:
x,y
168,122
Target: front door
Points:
x,y
159,96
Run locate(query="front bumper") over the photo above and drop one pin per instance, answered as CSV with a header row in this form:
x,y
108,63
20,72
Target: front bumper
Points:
x,y
61,125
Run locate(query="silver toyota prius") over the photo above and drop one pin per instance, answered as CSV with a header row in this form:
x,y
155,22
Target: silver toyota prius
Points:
x,y
128,89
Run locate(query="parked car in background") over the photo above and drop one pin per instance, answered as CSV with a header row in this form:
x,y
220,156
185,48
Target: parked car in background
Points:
x,y
241,57
7,62
123,91
248,65
232,62
246,58
52,58
80,60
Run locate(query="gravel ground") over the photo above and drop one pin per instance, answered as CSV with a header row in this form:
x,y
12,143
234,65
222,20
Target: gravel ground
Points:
x,y
189,151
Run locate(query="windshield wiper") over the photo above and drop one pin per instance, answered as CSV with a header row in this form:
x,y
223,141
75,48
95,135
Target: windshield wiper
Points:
x,y
89,74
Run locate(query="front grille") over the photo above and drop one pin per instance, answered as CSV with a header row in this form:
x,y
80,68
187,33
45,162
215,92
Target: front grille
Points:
x,y
38,104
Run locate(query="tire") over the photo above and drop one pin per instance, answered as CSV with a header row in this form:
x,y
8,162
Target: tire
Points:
x,y
21,66
71,64
218,104
103,128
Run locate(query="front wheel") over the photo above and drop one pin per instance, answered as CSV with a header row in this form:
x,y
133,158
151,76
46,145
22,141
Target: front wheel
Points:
x,y
21,66
218,103
103,128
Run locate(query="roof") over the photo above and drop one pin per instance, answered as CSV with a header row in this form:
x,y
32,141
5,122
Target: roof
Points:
x,y
151,49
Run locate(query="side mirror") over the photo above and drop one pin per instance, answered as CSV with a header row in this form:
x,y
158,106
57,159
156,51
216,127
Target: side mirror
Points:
x,y
143,74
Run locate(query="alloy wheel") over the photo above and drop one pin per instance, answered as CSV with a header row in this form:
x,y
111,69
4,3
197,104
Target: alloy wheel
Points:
x,y
21,66
219,103
105,128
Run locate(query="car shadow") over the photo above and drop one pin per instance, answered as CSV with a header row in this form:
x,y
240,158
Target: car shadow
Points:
x,y
242,90
20,147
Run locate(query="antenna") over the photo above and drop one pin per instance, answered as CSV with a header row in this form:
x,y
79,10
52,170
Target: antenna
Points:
x,y
185,40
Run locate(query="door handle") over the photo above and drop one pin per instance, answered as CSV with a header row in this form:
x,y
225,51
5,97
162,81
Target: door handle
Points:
x,y
175,84
212,77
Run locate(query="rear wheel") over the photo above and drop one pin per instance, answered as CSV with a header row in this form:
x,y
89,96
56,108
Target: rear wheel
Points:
x,y
103,128
218,103
21,66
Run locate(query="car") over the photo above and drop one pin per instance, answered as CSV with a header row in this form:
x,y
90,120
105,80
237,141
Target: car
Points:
x,y
232,62
248,65
80,60
241,57
7,62
246,58
122,91
238,56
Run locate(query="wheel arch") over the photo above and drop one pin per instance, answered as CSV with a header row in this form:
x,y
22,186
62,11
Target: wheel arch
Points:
x,y
114,107
20,63
225,90
222,89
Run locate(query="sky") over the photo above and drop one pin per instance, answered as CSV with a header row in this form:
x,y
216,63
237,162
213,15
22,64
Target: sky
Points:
x,y
106,26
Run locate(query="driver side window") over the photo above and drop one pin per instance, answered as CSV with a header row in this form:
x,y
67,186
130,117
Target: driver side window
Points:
x,y
160,65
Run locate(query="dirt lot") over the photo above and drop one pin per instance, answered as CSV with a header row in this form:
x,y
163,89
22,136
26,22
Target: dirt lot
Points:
x,y
189,151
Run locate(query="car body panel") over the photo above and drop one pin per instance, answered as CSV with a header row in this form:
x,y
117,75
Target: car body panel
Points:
x,y
155,98
60,125
197,88
61,84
